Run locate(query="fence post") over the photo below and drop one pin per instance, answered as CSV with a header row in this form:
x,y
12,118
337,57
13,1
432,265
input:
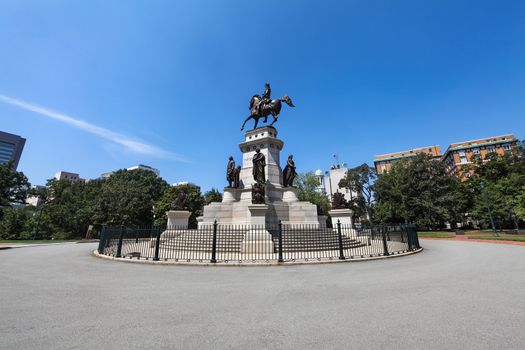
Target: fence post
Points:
x,y
214,243
385,245
280,259
409,237
415,237
339,235
157,245
102,241
119,247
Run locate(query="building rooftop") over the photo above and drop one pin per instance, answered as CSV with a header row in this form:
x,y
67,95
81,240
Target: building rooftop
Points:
x,y
434,151
487,141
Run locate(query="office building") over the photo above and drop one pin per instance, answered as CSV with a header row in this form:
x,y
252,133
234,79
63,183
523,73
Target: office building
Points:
x,y
11,147
65,175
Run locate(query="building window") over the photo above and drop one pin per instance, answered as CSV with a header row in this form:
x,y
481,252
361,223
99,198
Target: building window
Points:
x,y
463,160
475,151
491,149
383,168
507,147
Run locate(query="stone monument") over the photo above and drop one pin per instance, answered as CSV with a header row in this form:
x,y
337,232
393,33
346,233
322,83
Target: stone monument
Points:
x,y
340,211
178,215
259,195
280,203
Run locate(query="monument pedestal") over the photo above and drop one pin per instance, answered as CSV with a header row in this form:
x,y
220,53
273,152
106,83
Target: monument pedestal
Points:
x,y
344,216
290,194
230,195
257,239
178,218
282,203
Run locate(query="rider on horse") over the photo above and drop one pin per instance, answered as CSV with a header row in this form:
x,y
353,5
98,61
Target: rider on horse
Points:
x,y
265,98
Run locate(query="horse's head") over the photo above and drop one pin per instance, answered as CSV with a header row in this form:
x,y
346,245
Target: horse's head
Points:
x,y
288,100
255,98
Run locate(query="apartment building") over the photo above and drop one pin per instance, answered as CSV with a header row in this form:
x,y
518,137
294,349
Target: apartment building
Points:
x,y
383,163
459,156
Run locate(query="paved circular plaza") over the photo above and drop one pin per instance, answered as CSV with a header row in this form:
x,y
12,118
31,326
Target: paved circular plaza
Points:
x,y
459,295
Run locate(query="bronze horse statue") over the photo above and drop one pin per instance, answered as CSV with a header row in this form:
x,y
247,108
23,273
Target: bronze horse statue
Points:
x,y
272,108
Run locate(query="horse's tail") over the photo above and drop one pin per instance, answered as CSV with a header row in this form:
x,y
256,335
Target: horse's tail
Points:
x,y
288,100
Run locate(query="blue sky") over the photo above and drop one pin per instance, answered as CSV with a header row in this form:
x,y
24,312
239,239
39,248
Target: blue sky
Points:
x,y
96,86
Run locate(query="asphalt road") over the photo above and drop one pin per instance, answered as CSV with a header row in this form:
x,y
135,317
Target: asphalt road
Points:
x,y
453,295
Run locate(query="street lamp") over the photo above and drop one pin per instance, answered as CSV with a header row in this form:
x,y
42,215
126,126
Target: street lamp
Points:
x,y
485,199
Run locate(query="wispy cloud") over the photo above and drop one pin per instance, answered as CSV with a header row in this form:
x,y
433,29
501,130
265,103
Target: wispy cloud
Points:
x,y
131,144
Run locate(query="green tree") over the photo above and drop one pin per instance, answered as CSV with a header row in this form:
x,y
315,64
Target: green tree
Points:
x,y
127,198
70,207
212,195
14,185
389,197
194,199
14,223
503,177
307,185
361,180
418,190
520,203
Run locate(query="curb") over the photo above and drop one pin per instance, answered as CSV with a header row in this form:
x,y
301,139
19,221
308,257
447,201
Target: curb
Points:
x,y
96,254
493,241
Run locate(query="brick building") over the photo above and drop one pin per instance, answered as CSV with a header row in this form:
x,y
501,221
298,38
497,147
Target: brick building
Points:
x,y
458,157
383,163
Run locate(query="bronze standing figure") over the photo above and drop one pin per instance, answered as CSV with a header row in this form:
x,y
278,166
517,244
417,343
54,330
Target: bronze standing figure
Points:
x,y
230,171
259,163
289,172
237,177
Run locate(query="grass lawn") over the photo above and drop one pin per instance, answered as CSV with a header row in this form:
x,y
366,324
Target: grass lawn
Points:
x,y
475,234
37,241
502,237
435,234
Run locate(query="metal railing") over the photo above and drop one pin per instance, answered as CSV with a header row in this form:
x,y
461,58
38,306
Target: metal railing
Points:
x,y
248,243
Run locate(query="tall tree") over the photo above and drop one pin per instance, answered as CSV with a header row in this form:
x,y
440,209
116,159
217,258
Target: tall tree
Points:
x,y
361,181
418,190
128,197
14,185
307,185
194,199
212,195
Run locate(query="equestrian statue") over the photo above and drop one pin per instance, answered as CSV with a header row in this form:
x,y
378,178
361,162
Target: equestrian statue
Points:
x,y
263,106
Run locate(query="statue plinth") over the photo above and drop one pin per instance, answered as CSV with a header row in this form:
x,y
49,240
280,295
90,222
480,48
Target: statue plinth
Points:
x,y
344,216
178,218
257,239
258,214
231,195
290,194
264,138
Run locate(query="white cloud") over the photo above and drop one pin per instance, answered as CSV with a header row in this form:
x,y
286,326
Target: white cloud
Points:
x,y
133,145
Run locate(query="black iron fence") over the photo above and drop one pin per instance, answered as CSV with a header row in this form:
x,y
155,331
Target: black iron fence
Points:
x,y
248,243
